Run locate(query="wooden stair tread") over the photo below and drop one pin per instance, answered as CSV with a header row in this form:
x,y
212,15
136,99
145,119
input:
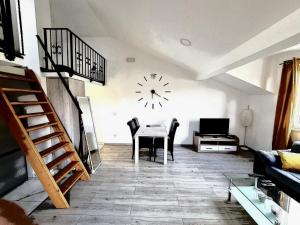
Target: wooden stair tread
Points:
x,y
69,183
58,160
34,114
28,103
63,172
16,77
40,126
53,148
46,137
21,90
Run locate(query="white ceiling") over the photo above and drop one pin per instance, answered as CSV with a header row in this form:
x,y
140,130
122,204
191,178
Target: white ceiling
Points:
x,y
215,27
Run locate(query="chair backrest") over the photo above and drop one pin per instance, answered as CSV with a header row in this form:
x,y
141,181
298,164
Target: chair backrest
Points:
x,y
132,126
136,121
172,131
172,124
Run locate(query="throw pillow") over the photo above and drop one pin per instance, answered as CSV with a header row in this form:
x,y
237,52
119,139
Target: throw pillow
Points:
x,y
290,161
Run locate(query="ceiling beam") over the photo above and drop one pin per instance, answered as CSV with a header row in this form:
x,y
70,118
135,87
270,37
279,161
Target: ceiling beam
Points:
x,y
279,36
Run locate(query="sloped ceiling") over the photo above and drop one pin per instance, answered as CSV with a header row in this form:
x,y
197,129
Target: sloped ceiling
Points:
x,y
215,27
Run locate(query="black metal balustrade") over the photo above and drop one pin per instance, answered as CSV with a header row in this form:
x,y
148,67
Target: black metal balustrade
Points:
x,y
71,54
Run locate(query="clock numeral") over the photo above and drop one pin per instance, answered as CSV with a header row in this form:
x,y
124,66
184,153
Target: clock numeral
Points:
x,y
160,78
140,99
153,75
166,99
140,84
145,79
138,92
168,91
166,84
160,104
152,106
146,104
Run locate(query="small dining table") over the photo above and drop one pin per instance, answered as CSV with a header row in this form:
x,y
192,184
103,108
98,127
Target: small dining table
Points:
x,y
151,131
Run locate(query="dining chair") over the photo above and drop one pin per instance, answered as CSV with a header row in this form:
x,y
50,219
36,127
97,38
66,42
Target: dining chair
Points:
x,y
144,142
159,142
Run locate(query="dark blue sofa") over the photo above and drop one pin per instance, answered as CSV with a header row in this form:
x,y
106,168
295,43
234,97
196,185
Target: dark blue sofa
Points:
x,y
269,164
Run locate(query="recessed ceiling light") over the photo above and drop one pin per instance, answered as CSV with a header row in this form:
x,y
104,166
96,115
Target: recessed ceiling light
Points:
x,y
185,42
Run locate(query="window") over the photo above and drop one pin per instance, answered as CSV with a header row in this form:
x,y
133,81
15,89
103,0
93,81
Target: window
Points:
x,y
296,113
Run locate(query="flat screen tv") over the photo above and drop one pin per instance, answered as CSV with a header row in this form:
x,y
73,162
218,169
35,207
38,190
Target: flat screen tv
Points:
x,y
214,126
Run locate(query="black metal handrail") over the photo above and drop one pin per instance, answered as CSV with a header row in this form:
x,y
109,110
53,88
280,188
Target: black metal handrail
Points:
x,y
81,151
71,54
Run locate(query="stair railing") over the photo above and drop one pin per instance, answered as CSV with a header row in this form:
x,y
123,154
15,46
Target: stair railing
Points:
x,y
81,151
73,55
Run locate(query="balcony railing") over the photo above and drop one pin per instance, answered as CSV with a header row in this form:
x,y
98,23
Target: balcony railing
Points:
x,y
71,54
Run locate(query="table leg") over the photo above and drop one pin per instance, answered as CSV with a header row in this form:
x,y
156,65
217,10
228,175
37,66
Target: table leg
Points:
x,y
165,150
136,150
229,191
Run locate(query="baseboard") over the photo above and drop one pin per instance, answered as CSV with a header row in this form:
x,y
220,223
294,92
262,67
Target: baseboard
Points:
x,y
128,144
118,144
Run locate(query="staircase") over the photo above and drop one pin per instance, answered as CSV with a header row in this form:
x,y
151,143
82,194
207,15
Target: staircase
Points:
x,y
59,175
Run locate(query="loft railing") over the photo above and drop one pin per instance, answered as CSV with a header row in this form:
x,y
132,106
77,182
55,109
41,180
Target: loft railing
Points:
x,y
71,54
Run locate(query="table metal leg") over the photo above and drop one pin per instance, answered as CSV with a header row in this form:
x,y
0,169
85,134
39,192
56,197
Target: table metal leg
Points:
x,y
165,150
136,150
229,191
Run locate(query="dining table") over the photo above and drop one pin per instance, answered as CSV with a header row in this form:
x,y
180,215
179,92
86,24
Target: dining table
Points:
x,y
155,131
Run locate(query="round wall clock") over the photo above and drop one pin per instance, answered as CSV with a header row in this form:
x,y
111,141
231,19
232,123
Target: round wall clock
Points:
x,y
153,91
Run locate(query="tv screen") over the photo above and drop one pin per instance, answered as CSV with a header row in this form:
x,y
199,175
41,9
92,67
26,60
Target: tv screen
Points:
x,y
214,126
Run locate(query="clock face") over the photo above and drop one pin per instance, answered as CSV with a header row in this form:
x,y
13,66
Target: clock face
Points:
x,y
153,91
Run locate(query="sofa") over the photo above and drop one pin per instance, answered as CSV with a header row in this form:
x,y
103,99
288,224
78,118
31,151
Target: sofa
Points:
x,y
268,163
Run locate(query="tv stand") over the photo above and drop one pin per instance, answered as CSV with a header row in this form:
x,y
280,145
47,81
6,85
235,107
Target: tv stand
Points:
x,y
215,143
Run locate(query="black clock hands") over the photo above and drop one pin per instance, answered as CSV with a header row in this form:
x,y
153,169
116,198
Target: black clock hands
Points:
x,y
154,93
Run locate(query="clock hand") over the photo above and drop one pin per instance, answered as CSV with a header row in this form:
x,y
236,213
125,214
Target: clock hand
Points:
x,y
157,94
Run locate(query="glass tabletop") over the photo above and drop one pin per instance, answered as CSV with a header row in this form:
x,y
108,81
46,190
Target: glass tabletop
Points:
x,y
264,195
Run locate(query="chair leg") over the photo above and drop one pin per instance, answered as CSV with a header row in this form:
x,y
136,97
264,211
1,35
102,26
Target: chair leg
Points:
x,y
132,151
154,154
172,156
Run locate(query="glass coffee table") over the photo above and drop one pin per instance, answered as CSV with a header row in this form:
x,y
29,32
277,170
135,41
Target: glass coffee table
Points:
x,y
263,201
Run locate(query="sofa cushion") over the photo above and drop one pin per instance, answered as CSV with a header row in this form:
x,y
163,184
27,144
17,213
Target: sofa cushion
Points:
x,y
269,158
296,147
290,161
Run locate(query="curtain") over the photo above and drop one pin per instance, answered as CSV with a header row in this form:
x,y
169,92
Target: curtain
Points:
x,y
285,105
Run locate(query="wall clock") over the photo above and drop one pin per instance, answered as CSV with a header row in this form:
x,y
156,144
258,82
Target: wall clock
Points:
x,y
153,91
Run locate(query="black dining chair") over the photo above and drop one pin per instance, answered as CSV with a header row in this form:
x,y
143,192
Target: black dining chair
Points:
x,y
159,142
136,121
144,142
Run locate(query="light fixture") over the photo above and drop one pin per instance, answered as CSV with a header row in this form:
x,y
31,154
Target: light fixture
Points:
x,y
185,42
246,120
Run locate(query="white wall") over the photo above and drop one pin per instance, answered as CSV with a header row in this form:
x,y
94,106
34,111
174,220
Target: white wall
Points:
x,y
116,103
256,73
43,20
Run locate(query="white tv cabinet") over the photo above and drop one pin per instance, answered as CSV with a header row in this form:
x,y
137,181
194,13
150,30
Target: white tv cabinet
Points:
x,y
208,143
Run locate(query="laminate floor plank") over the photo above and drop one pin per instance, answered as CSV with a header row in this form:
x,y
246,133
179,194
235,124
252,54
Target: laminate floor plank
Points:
x,y
190,190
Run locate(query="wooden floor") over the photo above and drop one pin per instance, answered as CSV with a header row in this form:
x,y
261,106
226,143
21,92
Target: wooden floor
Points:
x,y
190,190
